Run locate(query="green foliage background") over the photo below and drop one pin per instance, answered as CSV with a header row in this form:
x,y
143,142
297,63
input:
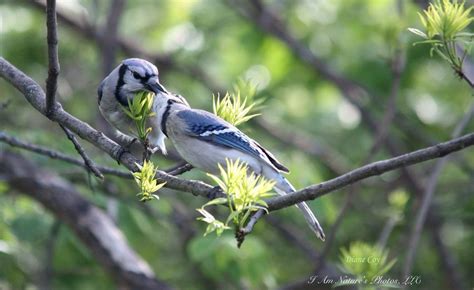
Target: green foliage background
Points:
x,y
356,38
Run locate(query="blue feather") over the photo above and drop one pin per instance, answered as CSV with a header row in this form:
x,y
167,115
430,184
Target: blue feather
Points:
x,y
210,128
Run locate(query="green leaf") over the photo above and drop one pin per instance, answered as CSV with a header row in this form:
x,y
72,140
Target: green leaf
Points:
x,y
216,201
418,32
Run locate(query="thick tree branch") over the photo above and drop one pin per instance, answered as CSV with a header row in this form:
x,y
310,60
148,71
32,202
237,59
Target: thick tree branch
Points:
x,y
53,61
91,224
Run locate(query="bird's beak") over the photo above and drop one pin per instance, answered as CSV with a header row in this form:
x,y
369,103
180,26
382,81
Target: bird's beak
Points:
x,y
155,86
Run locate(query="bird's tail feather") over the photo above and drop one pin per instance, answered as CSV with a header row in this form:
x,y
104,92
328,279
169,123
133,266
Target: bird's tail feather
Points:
x,y
284,187
311,220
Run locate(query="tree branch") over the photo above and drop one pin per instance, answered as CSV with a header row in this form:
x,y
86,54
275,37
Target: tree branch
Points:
x,y
53,61
91,224
89,164
372,169
52,81
179,169
14,142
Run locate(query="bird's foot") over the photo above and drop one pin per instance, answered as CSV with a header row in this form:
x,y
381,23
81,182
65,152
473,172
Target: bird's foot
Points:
x,y
215,192
118,154
131,142
124,149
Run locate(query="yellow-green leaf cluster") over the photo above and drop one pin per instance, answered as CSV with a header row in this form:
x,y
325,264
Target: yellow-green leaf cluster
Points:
x,y
145,179
445,19
233,108
242,188
140,108
444,22
245,194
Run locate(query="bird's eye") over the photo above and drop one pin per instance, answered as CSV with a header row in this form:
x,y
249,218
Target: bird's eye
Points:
x,y
136,75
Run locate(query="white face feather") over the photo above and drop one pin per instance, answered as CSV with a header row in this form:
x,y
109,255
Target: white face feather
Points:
x,y
131,84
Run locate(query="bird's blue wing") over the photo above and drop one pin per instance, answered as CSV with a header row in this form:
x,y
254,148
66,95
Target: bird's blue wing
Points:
x,y
207,127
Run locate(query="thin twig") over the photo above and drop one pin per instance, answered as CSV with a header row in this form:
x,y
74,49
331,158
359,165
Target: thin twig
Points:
x,y
372,169
428,198
87,161
179,169
52,81
53,61
241,233
15,142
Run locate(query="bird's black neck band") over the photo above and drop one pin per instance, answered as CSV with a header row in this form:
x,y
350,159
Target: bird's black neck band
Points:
x,y
120,98
166,114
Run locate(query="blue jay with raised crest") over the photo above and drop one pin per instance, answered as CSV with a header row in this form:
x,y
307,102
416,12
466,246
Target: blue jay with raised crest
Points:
x,y
202,139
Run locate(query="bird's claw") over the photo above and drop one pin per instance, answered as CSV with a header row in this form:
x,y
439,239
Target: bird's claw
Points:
x,y
119,153
131,143
216,192
124,149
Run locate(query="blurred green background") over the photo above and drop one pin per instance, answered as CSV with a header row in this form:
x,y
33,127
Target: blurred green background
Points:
x,y
205,47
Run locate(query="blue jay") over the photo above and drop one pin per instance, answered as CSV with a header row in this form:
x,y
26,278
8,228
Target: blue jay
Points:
x,y
120,86
205,140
